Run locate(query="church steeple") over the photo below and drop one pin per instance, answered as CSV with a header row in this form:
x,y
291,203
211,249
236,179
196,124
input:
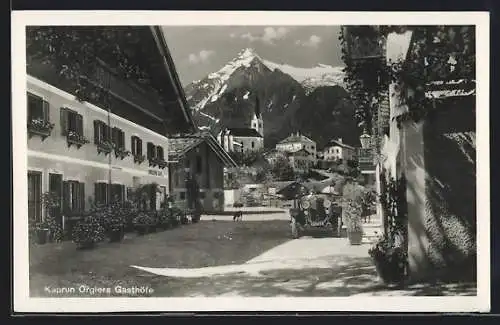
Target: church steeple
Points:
x,y
257,122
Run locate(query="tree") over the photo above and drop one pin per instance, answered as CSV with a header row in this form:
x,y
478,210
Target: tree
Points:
x,y
282,170
437,53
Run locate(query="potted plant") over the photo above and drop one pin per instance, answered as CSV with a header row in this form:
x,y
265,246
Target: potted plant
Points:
x,y
354,223
143,223
163,220
88,232
389,258
40,232
174,215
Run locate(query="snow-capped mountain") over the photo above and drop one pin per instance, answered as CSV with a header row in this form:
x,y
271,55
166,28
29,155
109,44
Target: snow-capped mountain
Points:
x,y
214,85
312,78
284,93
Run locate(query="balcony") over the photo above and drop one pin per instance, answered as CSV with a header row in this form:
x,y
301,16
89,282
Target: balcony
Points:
x,y
121,153
105,147
40,127
76,139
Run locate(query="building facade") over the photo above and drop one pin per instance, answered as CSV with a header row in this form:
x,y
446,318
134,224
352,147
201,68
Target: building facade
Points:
x,y
336,150
295,143
197,171
88,152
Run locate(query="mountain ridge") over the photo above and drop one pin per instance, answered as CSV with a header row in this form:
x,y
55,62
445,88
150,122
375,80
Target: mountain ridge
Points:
x,y
225,98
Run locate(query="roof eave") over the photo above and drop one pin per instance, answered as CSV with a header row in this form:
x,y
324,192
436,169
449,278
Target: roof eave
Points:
x,y
168,63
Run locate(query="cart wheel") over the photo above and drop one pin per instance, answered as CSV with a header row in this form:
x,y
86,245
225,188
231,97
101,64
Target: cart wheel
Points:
x,y
295,230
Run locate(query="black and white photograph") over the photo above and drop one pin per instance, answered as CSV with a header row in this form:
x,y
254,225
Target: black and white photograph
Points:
x,y
301,161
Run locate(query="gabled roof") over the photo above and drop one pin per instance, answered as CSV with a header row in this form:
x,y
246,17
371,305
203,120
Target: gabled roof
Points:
x,y
244,132
295,138
181,144
332,143
300,152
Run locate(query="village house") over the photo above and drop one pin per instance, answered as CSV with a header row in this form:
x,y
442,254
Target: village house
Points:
x,y
244,139
432,159
199,158
336,150
94,151
297,142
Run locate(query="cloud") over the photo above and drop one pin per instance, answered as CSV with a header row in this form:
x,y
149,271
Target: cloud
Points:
x,y
313,41
201,57
269,35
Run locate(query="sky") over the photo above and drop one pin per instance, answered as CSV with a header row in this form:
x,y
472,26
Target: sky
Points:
x,y
200,50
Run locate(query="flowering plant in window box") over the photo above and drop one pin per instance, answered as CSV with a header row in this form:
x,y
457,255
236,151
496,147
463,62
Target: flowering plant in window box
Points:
x,y
105,147
139,159
121,153
153,162
161,163
76,138
41,127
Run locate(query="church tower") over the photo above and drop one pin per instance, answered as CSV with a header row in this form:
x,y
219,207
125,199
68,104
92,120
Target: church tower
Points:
x,y
257,122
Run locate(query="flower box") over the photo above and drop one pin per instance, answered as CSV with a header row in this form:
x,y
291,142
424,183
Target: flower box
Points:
x,y
121,153
73,138
139,159
40,127
105,147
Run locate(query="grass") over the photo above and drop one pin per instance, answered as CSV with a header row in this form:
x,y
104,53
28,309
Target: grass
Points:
x,y
206,243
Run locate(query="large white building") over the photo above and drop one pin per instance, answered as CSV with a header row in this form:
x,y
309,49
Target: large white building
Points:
x,y
297,142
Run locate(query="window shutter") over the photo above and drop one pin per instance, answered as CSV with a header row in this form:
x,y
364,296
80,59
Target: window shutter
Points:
x,y
45,110
114,136
159,150
66,197
82,196
133,145
79,124
139,146
96,132
121,138
97,193
64,121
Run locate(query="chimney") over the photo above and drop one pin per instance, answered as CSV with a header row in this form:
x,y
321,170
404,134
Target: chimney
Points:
x,y
339,140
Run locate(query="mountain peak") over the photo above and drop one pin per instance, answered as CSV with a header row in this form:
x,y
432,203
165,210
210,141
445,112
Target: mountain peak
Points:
x,y
247,53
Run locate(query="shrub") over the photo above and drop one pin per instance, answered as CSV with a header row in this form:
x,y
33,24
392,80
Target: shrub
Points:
x,y
88,232
389,258
353,216
144,219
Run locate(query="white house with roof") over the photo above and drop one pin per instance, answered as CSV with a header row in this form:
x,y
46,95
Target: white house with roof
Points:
x,y
298,142
337,150
244,139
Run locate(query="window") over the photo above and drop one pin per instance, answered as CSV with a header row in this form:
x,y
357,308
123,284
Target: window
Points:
x,y
136,143
71,121
37,108
253,144
207,168
260,125
202,195
159,153
117,193
101,193
151,151
101,132
199,165
118,138
73,196
34,196
182,195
